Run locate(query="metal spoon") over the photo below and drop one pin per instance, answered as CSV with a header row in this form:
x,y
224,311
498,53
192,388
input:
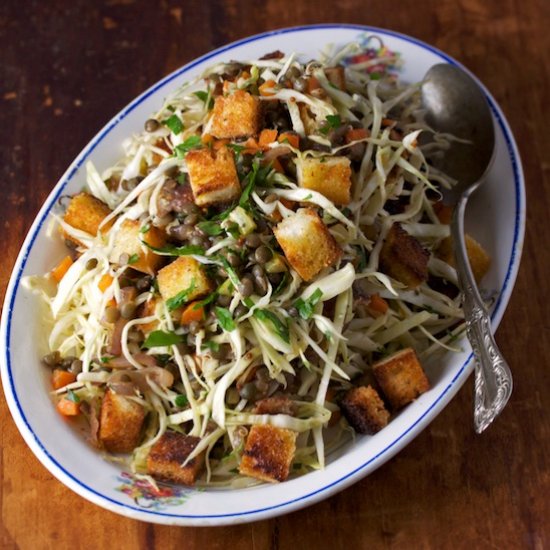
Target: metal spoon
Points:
x,y
455,104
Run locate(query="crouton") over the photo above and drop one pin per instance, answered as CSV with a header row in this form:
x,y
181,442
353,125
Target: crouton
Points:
x,y
120,423
236,115
330,176
479,259
86,213
279,404
403,258
167,455
364,410
185,275
268,453
213,176
128,242
336,76
307,243
401,377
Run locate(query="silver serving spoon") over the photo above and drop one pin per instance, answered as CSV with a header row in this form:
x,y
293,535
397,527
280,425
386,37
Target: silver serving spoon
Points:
x,y
455,104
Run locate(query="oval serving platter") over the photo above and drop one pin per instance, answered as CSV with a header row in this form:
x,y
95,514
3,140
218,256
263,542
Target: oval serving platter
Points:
x,y
496,217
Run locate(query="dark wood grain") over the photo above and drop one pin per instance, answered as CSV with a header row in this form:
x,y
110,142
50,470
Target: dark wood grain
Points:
x,y
67,67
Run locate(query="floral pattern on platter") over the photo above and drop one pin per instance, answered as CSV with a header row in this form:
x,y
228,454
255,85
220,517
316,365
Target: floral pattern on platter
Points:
x,y
152,496
375,58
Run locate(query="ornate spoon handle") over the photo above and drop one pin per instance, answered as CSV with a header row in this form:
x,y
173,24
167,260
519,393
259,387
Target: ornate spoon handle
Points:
x,y
493,379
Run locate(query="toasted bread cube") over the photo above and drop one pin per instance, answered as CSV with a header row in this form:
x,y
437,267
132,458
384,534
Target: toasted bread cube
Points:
x,y
128,241
307,243
120,423
86,213
235,115
480,261
167,455
401,377
268,453
403,258
213,176
184,274
330,176
365,410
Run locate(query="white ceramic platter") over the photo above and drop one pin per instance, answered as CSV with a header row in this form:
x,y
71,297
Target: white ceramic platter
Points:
x,y
496,218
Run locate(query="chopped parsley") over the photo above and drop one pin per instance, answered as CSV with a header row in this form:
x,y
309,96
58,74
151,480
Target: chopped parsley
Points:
x,y
175,124
205,97
281,328
211,228
181,297
225,319
192,142
306,307
171,250
133,259
160,338
331,122
181,400
72,396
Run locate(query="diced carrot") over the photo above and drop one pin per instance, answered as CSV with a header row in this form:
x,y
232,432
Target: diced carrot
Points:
x,y
245,75
60,378
105,282
193,312
62,267
312,84
388,122
443,211
293,139
267,136
219,143
207,138
354,134
251,146
377,306
67,407
266,89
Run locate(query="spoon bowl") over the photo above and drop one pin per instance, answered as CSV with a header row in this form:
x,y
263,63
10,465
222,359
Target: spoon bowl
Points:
x,y
454,104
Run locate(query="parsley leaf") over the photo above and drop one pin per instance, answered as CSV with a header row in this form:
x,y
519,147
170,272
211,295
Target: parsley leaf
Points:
x,y
180,178
171,250
203,96
71,396
332,121
181,400
281,328
174,123
211,228
159,338
306,307
225,318
133,259
181,297
144,228
212,346
192,142
256,176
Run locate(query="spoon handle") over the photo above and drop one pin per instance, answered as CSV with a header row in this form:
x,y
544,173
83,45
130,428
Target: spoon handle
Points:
x,y
493,379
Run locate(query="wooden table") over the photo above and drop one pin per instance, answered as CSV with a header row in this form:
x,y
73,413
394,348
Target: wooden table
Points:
x,y
67,67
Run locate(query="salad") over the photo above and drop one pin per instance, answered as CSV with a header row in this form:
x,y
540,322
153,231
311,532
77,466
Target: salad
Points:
x,y
261,277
